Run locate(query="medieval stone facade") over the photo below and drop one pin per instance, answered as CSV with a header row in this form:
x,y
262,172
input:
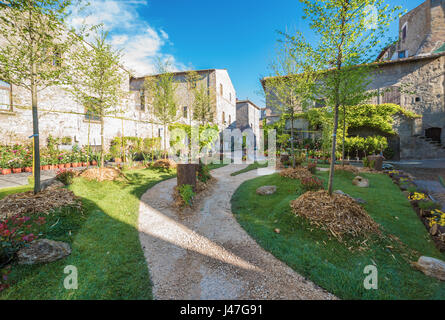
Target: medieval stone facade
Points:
x,y
60,116
248,116
410,73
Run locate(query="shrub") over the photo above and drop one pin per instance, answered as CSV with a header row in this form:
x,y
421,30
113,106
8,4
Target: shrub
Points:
x,y
187,194
65,176
203,173
165,164
429,205
311,184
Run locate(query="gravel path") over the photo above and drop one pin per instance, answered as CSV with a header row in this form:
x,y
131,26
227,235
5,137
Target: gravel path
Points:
x,y
207,255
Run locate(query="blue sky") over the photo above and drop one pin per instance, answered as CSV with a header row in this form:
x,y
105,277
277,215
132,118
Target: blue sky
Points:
x,y
239,36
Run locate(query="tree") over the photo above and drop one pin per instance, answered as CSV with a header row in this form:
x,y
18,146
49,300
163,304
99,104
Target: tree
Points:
x,y
348,33
290,86
161,91
36,40
204,105
96,81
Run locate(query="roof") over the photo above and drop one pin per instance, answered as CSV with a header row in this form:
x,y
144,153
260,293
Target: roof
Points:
x,y
178,73
441,49
248,101
389,62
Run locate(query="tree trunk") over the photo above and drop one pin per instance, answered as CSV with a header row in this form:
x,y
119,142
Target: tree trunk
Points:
x,y
123,142
165,142
35,126
102,142
334,146
344,136
292,139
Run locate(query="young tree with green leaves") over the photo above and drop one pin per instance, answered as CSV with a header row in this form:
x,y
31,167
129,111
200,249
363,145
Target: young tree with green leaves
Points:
x,y
289,87
35,41
349,34
161,90
97,81
204,106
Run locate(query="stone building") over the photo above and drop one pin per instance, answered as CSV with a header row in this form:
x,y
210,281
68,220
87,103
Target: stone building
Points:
x,y
410,73
60,116
248,116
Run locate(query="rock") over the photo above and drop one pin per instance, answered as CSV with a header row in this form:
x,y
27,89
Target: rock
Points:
x,y
431,267
358,200
360,182
52,183
43,251
434,229
266,190
387,166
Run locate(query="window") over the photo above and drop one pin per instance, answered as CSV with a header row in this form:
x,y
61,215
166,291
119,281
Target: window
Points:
x,y
91,116
185,112
418,99
159,132
404,29
230,119
5,96
230,97
402,54
221,89
224,117
142,95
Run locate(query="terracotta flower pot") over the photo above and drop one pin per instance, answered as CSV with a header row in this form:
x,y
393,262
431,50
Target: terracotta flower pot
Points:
x,y
6,171
60,166
46,167
67,165
94,163
16,170
28,169
85,164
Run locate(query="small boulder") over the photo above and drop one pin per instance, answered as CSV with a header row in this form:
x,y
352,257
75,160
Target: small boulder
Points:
x,y
431,267
43,251
360,182
266,190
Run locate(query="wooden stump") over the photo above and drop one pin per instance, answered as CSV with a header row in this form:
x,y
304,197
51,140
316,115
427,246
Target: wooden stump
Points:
x,y
378,162
187,174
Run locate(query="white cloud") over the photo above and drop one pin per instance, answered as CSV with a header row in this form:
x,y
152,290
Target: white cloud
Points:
x,y
140,43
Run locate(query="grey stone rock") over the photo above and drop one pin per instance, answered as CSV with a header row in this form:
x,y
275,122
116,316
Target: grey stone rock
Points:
x,y
358,200
431,267
43,251
51,183
360,182
266,190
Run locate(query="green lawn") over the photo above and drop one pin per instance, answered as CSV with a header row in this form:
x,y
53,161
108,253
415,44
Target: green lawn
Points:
x,y
5,191
329,263
250,167
105,243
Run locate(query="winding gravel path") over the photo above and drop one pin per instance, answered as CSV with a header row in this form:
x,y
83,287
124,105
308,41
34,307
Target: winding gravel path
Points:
x,y
207,255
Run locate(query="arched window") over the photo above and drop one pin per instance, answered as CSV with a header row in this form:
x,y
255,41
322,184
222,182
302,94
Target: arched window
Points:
x,y
5,96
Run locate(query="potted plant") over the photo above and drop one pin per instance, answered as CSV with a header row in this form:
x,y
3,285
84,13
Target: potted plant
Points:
x,y
16,165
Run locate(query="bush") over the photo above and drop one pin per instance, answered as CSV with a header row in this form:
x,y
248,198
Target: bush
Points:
x,y
312,184
203,173
65,176
164,164
187,194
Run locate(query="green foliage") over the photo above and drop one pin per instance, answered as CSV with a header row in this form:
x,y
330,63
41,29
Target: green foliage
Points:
x,y
208,134
187,194
311,184
65,176
203,173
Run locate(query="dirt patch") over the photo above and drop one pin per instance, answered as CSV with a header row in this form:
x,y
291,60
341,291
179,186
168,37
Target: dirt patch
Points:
x,y
297,173
43,202
202,190
102,174
355,170
336,214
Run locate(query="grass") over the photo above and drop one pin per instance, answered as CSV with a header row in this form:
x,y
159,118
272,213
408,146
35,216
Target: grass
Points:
x,y
6,191
329,263
250,167
105,243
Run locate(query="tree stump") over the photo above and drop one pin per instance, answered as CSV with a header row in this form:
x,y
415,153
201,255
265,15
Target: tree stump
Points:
x,y
378,162
187,174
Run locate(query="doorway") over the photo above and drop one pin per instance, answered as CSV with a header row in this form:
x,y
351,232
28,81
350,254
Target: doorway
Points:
x,y
434,134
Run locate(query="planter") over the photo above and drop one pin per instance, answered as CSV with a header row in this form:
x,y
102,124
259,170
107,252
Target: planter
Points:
x,y
28,169
60,166
6,171
94,163
85,164
74,165
45,167
16,170
117,160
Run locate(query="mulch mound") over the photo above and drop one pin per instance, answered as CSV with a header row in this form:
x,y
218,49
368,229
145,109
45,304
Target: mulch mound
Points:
x,y
43,202
102,174
297,173
337,214
165,164
355,170
202,190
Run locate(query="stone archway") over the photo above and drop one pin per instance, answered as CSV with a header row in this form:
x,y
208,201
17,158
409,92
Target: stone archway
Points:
x,y
434,134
